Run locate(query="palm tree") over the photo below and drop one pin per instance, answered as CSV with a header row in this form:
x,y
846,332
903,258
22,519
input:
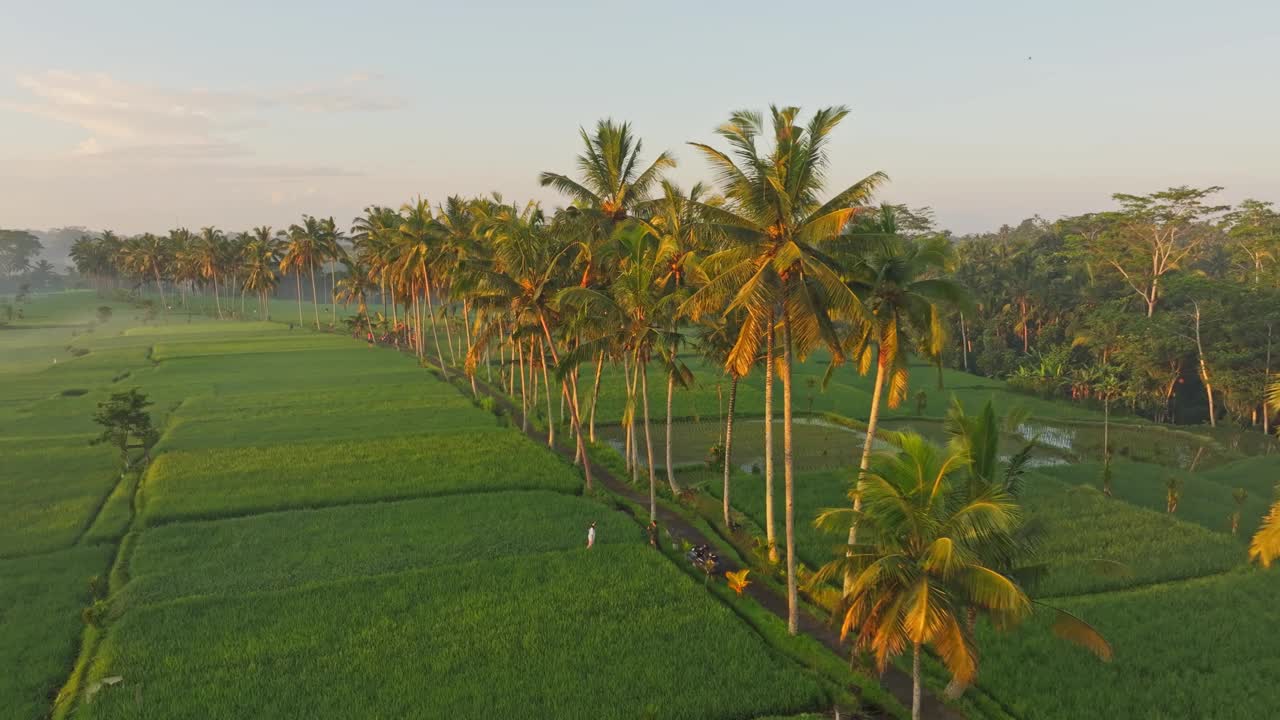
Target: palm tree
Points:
x,y
901,284
332,252
715,341
418,236
919,565
209,256
675,220
261,258
303,249
642,300
1012,553
149,255
1265,546
774,224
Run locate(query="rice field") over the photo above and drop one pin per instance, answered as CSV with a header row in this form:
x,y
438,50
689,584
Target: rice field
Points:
x,y
326,528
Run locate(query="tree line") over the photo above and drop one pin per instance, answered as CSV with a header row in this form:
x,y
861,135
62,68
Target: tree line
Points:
x,y
756,271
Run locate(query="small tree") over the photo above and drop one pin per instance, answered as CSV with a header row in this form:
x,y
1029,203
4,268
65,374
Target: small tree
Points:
x,y
1239,495
126,425
104,313
1173,492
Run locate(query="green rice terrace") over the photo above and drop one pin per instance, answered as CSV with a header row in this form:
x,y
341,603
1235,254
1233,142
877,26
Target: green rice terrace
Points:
x,y
306,545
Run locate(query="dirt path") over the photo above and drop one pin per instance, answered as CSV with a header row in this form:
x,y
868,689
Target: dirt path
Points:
x,y
894,681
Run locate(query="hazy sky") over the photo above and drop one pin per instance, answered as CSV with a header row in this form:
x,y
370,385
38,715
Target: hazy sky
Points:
x,y
144,115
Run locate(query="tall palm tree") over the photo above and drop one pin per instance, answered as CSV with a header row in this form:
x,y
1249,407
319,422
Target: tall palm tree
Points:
x,y
675,219
303,249
639,297
331,253
149,255
775,223
715,341
919,566
906,294
261,259
418,237
209,255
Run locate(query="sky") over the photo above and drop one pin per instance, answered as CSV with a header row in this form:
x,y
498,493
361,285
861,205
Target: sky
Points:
x,y
143,115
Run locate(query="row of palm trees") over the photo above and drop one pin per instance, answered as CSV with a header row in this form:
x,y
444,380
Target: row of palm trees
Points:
x,y
756,273
247,263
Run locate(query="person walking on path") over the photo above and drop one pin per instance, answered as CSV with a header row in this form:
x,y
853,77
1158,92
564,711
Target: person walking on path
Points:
x,y
653,533
591,535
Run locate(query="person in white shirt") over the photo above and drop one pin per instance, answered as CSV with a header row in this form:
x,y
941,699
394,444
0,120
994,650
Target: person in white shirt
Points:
x,y
591,535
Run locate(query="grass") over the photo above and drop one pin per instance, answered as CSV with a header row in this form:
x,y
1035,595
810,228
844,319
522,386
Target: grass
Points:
x,y
40,602
1203,501
218,483
1197,649
51,494
608,632
1078,527
276,551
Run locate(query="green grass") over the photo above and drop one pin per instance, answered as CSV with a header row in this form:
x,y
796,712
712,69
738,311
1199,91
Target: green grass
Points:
x,y
51,494
1078,527
40,602
218,483
1085,534
276,551
601,633
1203,501
1203,648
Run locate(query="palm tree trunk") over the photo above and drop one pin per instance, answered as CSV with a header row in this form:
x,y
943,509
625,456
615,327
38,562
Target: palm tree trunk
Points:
x,y
793,616
964,343
595,395
551,425
533,378
217,302
466,325
643,368
671,473
426,279
569,386
297,284
1266,382
163,303
915,682
524,390
728,449
769,524
332,288
315,301
448,334
872,421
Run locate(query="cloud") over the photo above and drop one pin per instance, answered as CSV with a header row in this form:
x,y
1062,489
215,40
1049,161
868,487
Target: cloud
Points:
x,y
132,122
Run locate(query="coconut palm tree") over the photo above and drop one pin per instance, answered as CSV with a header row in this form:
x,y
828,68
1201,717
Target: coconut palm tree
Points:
x,y
775,223
644,302
418,238
303,249
208,254
919,564
260,260
977,437
715,341
1265,546
332,252
149,255
906,293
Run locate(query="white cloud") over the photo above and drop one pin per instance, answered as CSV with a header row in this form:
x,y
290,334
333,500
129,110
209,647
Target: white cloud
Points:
x,y
132,122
